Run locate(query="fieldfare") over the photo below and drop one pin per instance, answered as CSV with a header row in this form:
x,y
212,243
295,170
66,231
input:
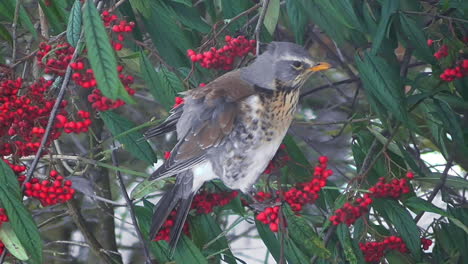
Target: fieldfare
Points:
x,y
231,128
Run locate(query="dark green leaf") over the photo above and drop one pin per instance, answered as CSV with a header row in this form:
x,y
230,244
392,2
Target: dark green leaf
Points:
x,y
269,239
170,40
293,253
389,8
345,239
403,223
452,181
450,120
272,15
296,171
20,219
146,187
298,19
9,180
132,142
74,24
383,81
56,17
100,53
12,243
208,231
189,17
395,257
163,84
5,34
304,236
187,252
415,36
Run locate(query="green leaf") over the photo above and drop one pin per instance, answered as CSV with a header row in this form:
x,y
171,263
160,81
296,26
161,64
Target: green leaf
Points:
x,y
207,230
20,220
100,53
420,205
414,34
185,2
12,243
403,223
55,16
293,253
395,257
132,142
9,180
163,84
389,8
269,239
383,81
304,236
272,15
189,17
298,19
5,34
345,240
25,20
451,181
187,252
450,120
383,140
74,24
296,170
170,40
146,187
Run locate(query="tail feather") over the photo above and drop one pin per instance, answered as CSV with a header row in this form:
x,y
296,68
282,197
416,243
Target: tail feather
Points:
x,y
168,125
182,213
179,197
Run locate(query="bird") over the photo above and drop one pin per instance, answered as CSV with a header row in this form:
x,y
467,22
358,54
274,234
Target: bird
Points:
x,y
231,128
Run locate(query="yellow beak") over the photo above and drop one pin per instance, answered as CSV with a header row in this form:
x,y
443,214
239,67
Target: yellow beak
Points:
x,y
321,66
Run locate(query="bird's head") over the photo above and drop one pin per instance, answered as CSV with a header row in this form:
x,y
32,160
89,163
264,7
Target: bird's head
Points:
x,y
283,65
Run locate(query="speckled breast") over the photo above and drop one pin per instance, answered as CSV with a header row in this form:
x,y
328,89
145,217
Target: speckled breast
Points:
x,y
261,127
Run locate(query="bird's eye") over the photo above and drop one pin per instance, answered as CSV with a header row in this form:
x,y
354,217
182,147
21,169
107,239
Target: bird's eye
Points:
x,y
297,65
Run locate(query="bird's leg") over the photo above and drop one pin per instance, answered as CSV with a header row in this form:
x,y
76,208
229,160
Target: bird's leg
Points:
x,y
260,206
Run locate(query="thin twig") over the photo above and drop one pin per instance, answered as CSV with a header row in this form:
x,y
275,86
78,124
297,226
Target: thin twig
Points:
x,y
53,114
438,187
311,123
131,209
436,16
13,30
258,27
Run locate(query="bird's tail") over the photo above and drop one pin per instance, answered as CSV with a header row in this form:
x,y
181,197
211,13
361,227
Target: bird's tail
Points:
x,y
180,198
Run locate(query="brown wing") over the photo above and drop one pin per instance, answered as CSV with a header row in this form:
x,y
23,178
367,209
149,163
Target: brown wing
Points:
x,y
209,114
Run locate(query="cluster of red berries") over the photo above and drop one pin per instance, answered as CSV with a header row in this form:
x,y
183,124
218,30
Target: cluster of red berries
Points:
x,y
442,52
458,72
298,196
223,58
3,216
54,59
374,251
165,231
278,161
75,126
24,117
50,192
203,203
119,27
426,243
393,189
350,212
85,78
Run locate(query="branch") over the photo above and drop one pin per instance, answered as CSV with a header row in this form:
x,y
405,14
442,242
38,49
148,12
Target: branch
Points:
x,y
53,114
13,30
131,209
80,222
438,187
436,16
258,27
